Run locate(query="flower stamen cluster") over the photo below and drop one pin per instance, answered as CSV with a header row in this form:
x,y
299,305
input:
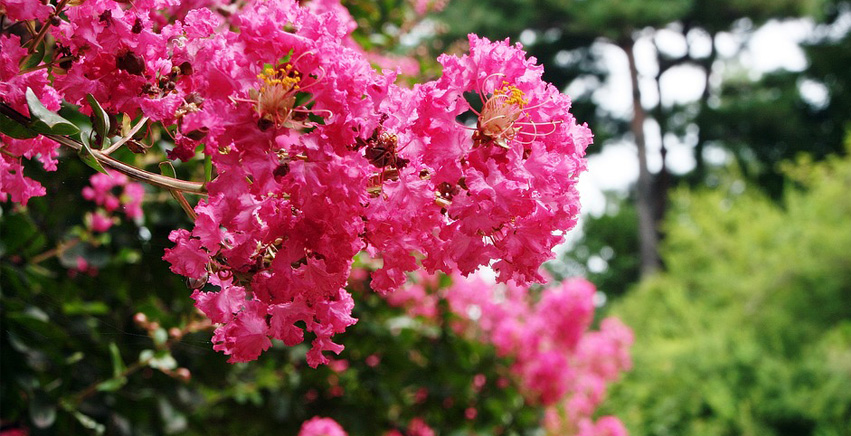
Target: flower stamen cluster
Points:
x,y
499,114
277,96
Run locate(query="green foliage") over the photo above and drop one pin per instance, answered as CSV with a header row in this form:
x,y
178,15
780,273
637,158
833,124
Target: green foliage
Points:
x,y
747,333
45,121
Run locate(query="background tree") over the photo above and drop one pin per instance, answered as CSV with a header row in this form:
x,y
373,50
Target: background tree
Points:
x,y
568,35
751,325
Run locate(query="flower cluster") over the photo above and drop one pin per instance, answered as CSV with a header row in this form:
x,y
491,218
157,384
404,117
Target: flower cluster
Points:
x,y
318,426
417,427
113,192
13,83
557,361
317,155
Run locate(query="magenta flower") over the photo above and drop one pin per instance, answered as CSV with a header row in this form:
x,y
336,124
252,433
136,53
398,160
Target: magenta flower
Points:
x,y
318,426
317,157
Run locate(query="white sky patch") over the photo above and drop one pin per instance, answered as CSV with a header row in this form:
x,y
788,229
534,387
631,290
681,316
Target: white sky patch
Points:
x,y
682,84
814,93
776,46
614,96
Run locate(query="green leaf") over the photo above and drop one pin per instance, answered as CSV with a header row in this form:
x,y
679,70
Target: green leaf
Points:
x,y
167,169
74,358
32,325
112,384
101,119
12,128
208,169
87,156
301,98
45,121
162,360
118,367
74,308
89,423
33,59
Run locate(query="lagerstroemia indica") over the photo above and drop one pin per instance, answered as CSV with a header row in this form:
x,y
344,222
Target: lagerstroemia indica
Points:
x,y
318,156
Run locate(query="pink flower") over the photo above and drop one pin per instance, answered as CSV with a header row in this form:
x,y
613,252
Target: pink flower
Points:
x,y
556,360
418,427
100,222
114,191
14,185
246,335
317,426
20,10
319,157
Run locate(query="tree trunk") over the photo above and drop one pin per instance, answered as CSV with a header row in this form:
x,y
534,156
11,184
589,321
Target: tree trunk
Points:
x,y
700,164
648,239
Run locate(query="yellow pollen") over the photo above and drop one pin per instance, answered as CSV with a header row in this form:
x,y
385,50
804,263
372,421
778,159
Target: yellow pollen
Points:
x,y
283,76
513,95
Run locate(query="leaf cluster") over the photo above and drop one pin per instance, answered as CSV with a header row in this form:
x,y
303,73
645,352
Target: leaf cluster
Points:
x,y
749,330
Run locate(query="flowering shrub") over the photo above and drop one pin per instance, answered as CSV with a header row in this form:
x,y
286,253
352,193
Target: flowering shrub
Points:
x,y
557,362
316,155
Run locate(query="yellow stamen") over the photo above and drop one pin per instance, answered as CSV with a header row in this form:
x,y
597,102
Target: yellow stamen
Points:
x,y
513,95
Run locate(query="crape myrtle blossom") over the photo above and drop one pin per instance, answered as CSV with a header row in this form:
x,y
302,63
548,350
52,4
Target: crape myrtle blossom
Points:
x,y
113,192
13,184
318,426
557,361
317,156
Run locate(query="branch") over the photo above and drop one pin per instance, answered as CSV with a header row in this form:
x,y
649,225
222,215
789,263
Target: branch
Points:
x,y
129,136
127,169
61,248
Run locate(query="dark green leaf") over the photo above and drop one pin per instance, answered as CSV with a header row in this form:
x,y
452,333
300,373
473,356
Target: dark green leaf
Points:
x,y
101,119
301,98
167,169
14,129
117,363
87,156
45,121
112,384
33,59
32,327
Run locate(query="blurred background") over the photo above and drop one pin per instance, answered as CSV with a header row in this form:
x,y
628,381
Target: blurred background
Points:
x,y
709,227
717,225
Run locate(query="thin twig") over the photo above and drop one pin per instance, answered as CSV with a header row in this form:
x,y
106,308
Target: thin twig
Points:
x,y
184,204
129,136
77,399
45,26
48,65
54,252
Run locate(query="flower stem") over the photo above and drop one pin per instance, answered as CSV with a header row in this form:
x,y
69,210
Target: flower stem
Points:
x,y
129,136
54,252
45,26
108,161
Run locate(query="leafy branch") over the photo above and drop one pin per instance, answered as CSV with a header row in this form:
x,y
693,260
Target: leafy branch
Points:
x,y
56,128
